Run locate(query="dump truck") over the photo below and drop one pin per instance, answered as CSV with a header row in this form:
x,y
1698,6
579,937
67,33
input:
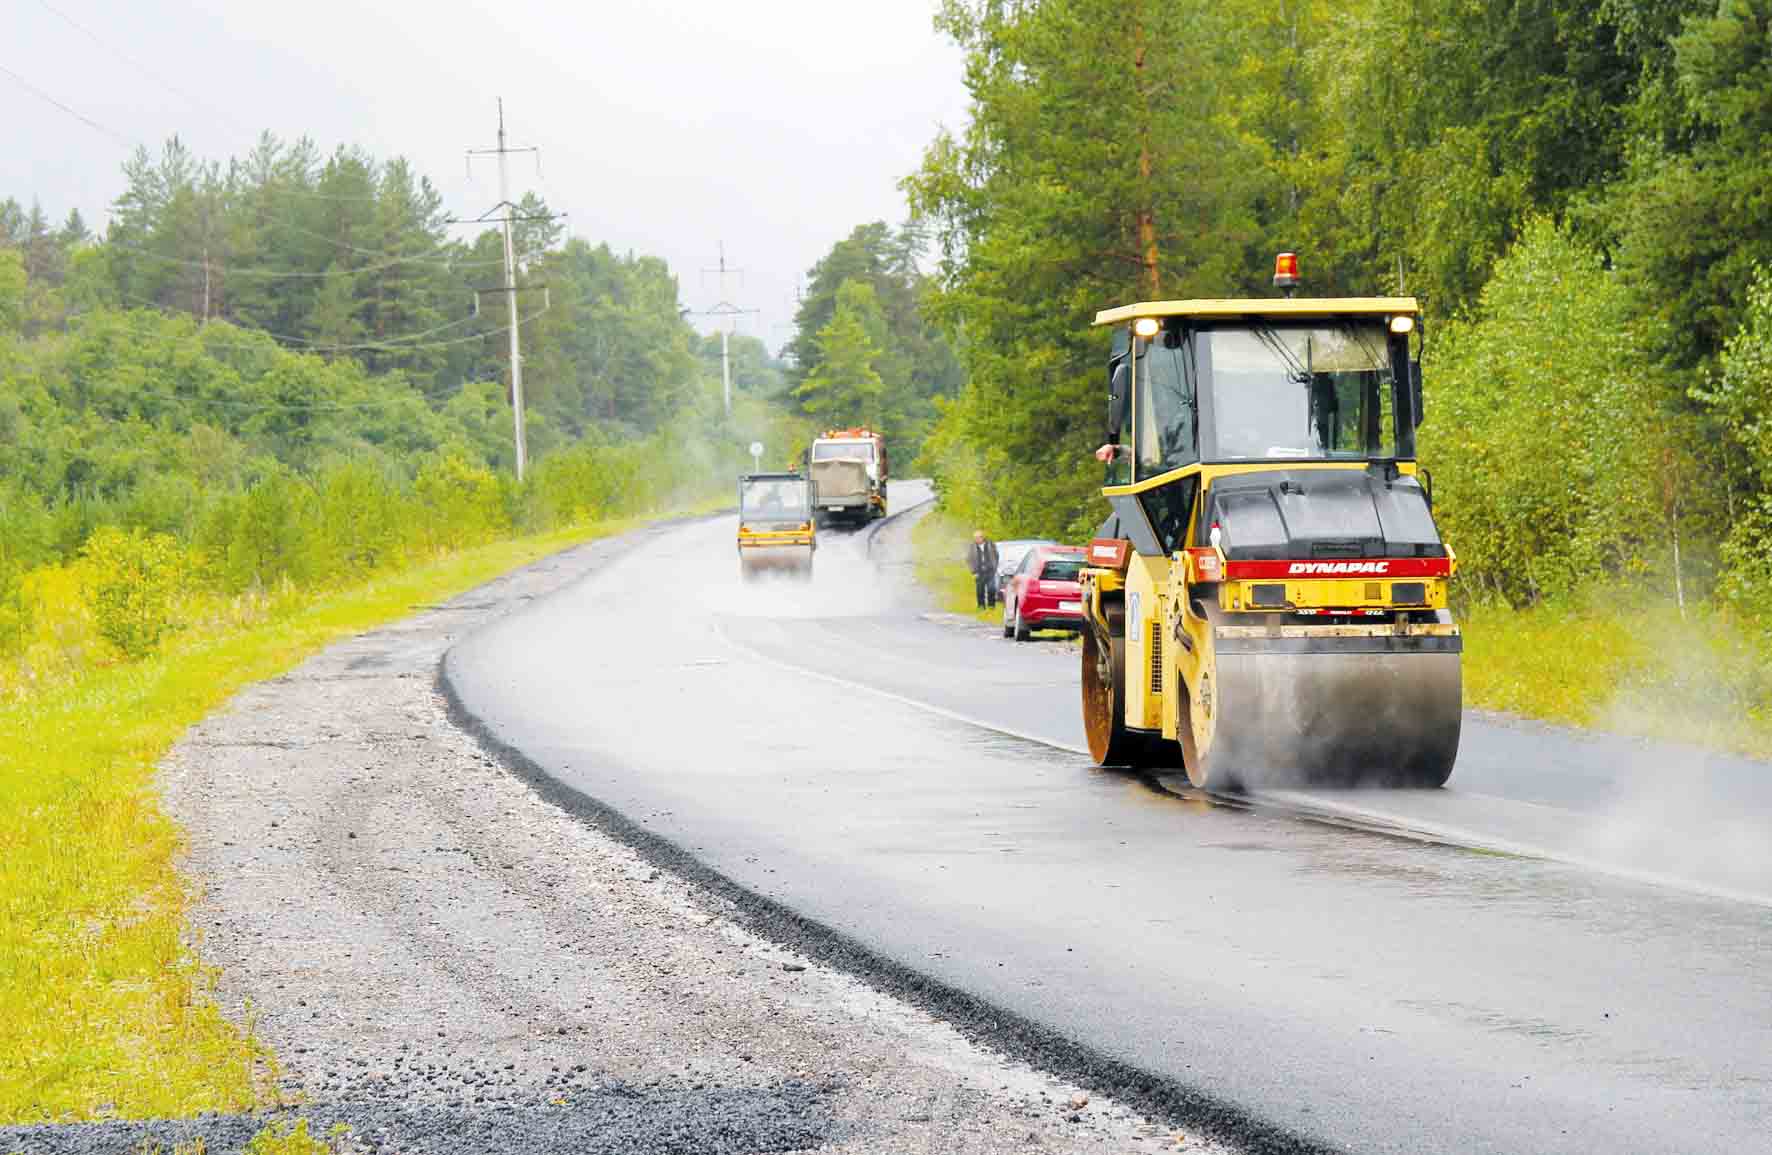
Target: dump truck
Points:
x,y
849,466
1267,603
776,530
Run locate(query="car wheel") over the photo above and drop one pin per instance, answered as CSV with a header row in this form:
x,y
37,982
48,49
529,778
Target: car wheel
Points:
x,y
1022,633
1008,625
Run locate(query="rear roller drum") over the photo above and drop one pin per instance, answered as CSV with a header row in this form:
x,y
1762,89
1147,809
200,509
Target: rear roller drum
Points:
x,y
1104,710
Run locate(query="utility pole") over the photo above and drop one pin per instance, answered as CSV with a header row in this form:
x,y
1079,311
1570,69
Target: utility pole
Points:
x,y
726,309
509,288
205,261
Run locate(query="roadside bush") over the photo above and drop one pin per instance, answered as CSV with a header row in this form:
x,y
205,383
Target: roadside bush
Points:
x,y
267,534
134,584
26,540
463,503
1547,425
571,486
1739,394
590,481
364,518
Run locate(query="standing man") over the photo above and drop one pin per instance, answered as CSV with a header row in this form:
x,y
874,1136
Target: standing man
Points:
x,y
981,559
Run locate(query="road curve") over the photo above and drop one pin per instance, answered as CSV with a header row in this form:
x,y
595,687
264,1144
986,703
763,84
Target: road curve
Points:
x,y
1355,988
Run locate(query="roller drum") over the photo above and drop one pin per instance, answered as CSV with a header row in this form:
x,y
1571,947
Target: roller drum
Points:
x,y
1344,716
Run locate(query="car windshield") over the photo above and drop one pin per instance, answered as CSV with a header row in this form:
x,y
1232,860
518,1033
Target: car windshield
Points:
x,y
1062,569
782,499
1301,391
843,451
1010,553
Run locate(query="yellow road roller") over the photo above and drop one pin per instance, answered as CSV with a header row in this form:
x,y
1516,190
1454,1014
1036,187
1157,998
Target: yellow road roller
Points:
x,y
1266,605
776,533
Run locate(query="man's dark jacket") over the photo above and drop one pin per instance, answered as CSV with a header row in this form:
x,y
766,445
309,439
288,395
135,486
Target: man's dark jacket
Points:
x,y
981,558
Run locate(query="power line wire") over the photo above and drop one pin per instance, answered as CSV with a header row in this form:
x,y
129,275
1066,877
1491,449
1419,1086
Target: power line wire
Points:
x,y
138,65
211,109
79,116
440,261
341,198
310,347
132,142
278,406
390,344
280,274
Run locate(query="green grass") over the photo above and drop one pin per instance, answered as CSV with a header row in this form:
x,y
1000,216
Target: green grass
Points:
x,y
938,554
1620,663
104,1011
292,1139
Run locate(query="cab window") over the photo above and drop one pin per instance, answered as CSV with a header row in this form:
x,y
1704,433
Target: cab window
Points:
x,y
843,451
1164,420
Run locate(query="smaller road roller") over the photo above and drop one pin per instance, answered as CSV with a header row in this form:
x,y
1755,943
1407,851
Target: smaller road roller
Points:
x,y
776,532
1267,603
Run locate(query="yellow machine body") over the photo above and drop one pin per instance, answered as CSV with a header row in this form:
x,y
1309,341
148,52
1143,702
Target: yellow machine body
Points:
x,y
776,528
1265,650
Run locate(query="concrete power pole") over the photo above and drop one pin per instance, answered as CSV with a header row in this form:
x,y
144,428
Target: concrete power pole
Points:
x,y
727,310
504,198
509,288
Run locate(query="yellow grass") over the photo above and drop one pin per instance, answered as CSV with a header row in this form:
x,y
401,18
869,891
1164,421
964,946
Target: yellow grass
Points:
x,y
103,1009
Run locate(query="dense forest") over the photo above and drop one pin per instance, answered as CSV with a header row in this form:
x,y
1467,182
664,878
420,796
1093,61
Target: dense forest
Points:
x,y
865,350
290,368
1575,188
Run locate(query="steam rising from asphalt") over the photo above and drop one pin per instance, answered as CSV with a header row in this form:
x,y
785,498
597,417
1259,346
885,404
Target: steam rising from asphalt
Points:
x,y
846,581
1678,809
1681,810
1675,817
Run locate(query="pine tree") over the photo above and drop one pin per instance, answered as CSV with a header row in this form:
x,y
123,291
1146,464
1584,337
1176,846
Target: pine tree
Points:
x,y
334,319
846,388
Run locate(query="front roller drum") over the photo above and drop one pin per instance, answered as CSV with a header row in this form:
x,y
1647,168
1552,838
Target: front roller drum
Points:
x,y
1277,719
758,562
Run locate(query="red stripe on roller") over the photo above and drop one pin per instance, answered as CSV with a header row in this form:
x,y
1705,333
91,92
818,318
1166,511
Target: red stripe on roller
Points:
x,y
1370,567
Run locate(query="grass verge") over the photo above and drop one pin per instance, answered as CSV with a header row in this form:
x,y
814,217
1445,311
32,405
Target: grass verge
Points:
x,y
1626,665
104,1012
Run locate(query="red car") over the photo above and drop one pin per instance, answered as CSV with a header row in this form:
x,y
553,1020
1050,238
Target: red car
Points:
x,y
1044,593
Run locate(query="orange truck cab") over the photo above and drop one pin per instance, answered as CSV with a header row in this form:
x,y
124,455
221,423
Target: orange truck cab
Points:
x,y
849,468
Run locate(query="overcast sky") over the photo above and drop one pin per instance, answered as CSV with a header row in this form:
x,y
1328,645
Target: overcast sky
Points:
x,y
774,125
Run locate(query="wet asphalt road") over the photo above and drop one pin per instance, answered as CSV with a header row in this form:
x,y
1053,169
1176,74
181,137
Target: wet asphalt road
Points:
x,y
1364,990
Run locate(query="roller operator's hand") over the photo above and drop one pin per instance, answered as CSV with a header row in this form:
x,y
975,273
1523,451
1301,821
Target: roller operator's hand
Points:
x,y
1108,452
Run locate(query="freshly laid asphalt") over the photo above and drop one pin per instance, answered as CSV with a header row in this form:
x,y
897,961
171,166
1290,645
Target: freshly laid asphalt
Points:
x,y
1564,951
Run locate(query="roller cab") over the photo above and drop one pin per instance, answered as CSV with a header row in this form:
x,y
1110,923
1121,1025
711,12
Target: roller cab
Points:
x,y
1267,602
776,528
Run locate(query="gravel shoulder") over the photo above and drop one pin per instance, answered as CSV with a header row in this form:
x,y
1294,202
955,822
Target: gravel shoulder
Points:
x,y
443,960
